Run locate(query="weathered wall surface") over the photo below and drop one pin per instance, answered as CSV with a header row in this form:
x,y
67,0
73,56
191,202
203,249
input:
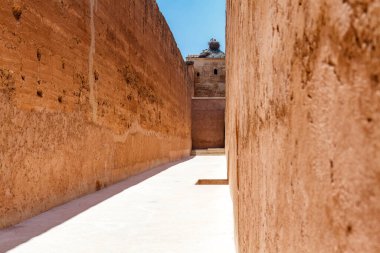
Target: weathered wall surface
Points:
x,y
91,92
210,77
207,129
303,124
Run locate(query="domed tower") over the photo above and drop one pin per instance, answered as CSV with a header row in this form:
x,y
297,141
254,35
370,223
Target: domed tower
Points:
x,y
213,50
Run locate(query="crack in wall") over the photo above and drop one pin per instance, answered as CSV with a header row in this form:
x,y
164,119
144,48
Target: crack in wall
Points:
x,y
91,77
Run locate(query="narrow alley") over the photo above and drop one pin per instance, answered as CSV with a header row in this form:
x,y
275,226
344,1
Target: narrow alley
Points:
x,y
159,126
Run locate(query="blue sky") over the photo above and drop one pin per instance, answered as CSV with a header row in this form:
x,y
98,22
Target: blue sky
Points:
x,y
195,22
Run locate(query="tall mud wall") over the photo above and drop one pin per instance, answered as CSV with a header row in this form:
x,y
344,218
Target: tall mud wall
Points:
x,y
91,92
303,124
207,124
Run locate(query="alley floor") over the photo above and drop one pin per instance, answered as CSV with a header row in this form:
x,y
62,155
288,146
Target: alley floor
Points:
x,y
159,211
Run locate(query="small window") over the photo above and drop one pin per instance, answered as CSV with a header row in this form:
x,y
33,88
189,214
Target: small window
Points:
x,y
198,74
215,71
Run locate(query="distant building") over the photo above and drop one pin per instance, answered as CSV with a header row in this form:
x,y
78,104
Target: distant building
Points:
x,y
208,103
210,71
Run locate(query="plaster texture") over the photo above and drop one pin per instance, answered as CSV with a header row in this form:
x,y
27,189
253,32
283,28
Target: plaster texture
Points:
x,y
91,92
303,124
159,211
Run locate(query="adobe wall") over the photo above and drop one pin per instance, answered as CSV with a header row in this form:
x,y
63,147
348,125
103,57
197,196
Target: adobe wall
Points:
x,y
303,124
91,92
208,123
207,82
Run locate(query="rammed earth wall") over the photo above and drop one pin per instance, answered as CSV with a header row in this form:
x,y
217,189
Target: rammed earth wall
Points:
x,y
91,92
303,124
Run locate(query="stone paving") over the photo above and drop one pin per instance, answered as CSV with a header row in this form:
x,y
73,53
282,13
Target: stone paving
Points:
x,y
160,211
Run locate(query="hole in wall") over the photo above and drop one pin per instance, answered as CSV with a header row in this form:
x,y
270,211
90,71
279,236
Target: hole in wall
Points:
x,y
332,178
39,55
349,229
40,93
98,185
96,75
375,79
215,71
17,11
198,74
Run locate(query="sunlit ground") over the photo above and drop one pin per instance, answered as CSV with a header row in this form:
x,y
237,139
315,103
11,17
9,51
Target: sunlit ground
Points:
x,y
165,213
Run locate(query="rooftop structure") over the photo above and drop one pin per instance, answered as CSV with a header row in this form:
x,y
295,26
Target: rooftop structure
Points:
x,y
213,51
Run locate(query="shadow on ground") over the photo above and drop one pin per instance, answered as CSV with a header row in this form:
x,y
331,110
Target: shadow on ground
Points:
x,y
28,229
